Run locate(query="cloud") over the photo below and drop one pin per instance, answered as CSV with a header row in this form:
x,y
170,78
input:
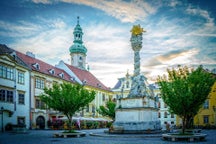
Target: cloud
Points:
x,y
208,28
110,72
49,45
124,11
174,3
19,29
107,41
178,56
158,64
42,1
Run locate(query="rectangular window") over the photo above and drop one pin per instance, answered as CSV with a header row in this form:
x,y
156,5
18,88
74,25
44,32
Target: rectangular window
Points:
x,y
103,97
159,115
159,104
2,95
10,96
165,114
6,72
87,108
172,115
205,119
6,96
39,104
39,83
21,98
93,109
9,73
21,77
3,71
21,121
206,104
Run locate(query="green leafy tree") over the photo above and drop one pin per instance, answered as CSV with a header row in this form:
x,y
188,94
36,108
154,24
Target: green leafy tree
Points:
x,y
67,98
185,91
108,110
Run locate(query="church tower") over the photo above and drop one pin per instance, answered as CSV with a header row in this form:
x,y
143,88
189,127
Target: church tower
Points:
x,y
78,50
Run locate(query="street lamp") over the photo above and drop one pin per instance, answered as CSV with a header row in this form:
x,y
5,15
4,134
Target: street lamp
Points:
x,y
2,109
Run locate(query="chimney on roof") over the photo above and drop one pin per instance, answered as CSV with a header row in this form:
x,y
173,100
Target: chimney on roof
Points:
x,y
30,54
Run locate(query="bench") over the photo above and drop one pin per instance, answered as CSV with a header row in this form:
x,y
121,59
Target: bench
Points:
x,y
65,135
190,138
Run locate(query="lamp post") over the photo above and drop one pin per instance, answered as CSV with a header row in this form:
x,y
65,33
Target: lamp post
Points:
x,y
2,109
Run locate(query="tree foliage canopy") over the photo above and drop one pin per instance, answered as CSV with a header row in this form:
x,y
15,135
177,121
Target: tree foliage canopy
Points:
x,y
67,98
184,90
108,110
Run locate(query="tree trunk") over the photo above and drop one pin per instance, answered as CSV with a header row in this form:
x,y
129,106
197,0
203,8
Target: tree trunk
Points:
x,y
183,124
189,122
69,122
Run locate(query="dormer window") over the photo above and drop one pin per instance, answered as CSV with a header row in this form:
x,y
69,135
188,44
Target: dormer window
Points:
x,y
72,78
98,85
37,66
52,71
13,54
61,75
84,81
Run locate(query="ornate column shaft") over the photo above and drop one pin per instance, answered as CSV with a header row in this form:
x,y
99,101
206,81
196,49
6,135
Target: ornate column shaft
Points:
x,y
138,86
136,63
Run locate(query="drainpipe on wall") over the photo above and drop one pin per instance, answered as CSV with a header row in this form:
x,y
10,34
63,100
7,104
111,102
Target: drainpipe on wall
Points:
x,y
30,113
15,88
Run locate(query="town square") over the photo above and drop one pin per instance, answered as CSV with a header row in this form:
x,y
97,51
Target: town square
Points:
x,y
107,71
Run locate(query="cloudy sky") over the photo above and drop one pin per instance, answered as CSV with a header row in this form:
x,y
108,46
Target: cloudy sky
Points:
x,y
178,33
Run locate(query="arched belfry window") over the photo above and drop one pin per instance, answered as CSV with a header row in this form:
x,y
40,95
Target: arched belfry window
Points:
x,y
127,84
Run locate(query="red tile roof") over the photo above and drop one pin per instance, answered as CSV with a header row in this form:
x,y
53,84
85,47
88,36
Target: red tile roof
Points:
x,y
90,79
44,67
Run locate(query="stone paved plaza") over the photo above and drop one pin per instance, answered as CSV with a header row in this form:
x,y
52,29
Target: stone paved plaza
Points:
x,y
46,137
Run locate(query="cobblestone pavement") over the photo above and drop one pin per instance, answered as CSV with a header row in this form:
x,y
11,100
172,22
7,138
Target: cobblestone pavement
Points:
x,y
46,137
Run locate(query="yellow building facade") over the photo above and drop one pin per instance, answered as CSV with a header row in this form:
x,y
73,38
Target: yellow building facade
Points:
x,y
206,116
207,113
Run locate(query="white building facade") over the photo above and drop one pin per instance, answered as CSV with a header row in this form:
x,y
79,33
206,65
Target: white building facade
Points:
x,y
164,115
14,90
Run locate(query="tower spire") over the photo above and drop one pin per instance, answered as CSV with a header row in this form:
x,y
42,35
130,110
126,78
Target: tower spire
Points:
x,y
77,20
78,50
